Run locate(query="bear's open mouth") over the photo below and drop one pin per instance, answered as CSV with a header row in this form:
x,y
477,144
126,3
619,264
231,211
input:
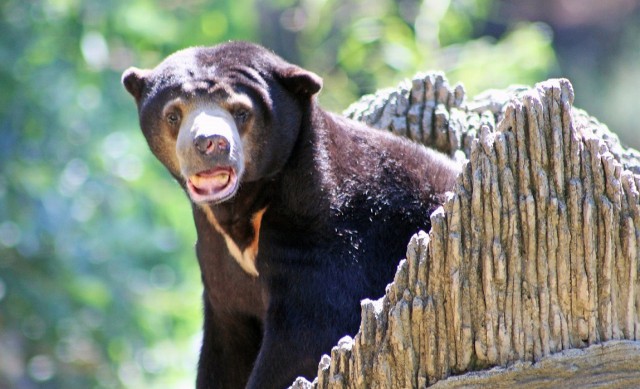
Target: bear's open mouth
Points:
x,y
213,185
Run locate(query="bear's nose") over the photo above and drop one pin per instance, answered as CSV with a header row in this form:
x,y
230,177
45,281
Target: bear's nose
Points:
x,y
212,144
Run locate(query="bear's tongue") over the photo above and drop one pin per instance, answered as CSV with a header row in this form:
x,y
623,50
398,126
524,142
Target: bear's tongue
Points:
x,y
211,181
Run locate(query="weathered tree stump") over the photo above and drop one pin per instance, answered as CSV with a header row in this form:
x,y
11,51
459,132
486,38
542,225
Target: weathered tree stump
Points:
x,y
533,256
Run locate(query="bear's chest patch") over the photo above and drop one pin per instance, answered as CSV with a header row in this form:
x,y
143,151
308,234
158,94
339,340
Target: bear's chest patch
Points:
x,y
245,256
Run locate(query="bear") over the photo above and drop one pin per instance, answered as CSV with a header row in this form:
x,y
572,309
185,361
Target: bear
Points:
x,y
300,213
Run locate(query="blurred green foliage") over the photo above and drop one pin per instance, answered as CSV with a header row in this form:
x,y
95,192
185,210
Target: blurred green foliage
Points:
x,y
99,287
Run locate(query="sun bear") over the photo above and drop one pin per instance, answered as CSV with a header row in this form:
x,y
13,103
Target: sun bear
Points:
x,y
300,213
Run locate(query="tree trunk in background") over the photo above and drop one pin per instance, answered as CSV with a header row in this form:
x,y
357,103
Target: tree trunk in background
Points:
x,y
534,256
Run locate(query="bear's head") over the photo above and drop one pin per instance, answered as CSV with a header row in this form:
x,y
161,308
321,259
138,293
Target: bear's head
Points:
x,y
220,116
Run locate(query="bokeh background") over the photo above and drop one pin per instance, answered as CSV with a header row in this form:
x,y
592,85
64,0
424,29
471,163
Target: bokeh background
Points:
x,y
99,287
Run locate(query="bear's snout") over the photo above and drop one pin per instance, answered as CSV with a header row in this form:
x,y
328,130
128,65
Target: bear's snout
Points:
x,y
207,138
210,153
214,144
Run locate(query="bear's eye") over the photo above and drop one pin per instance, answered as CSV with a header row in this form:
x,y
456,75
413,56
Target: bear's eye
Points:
x,y
173,118
241,115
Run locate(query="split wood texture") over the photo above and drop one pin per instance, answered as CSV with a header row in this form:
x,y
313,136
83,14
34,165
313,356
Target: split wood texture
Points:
x,y
535,252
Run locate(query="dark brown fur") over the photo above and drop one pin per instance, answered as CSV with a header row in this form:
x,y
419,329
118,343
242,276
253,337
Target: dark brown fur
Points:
x,y
332,202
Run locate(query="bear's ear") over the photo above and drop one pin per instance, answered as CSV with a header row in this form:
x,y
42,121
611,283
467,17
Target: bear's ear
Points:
x,y
299,81
133,80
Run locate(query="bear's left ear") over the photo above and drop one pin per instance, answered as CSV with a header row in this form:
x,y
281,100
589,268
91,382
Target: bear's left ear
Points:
x,y
299,81
134,80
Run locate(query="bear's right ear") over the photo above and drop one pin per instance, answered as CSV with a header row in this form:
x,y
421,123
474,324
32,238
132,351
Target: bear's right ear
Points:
x,y
133,80
300,81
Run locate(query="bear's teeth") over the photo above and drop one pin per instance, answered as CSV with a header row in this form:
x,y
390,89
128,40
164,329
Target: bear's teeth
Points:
x,y
220,179
211,182
196,181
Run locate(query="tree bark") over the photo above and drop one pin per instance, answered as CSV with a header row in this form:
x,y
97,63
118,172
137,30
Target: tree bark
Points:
x,y
534,255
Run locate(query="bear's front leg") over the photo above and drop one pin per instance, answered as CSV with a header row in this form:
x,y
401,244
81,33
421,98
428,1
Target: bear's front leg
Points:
x,y
230,345
307,316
